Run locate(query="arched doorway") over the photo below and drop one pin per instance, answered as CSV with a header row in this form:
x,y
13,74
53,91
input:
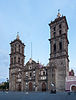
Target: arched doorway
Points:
x,y
43,86
73,88
19,87
30,86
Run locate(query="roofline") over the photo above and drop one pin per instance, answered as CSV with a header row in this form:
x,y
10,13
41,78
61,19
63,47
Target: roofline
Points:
x,y
18,41
58,19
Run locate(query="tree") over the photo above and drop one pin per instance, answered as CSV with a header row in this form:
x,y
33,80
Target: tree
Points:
x,y
5,85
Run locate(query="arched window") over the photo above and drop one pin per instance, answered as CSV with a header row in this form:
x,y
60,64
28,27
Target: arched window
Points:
x,y
60,32
60,45
14,60
19,60
44,73
54,34
54,47
30,74
22,62
60,26
54,28
11,60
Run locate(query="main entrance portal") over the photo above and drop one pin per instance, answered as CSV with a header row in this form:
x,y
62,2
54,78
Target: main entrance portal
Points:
x,y
43,86
19,87
30,86
73,88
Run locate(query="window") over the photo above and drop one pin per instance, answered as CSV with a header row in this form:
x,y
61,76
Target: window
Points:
x,y
19,60
43,73
54,28
30,74
60,32
11,60
12,50
54,47
14,59
60,45
30,67
60,26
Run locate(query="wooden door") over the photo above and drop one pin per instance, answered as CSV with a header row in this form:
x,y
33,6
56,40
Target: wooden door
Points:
x,y
30,86
43,86
73,88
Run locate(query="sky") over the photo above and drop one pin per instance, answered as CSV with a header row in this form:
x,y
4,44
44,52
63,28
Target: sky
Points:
x,y
31,18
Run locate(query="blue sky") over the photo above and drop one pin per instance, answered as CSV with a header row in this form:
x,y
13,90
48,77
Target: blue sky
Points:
x,y
31,18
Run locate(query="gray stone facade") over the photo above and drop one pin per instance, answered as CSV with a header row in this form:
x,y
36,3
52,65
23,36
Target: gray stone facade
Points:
x,y
59,62
16,65
35,77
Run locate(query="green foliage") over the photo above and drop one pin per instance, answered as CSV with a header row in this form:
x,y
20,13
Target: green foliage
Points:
x,y
4,86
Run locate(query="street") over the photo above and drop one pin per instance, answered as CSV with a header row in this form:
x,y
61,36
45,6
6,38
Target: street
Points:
x,y
36,96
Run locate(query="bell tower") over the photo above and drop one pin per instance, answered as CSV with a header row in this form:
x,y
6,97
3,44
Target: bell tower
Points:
x,y
16,64
58,62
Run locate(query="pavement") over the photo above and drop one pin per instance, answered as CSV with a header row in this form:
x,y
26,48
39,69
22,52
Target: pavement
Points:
x,y
36,96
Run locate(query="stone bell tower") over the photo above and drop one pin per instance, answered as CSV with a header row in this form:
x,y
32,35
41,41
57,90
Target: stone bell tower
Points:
x,y
58,62
16,64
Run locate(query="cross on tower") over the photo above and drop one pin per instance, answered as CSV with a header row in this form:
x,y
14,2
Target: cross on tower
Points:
x,y
58,10
58,13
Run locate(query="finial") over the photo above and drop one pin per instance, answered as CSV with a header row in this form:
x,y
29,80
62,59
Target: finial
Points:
x,y
18,35
58,13
30,60
58,10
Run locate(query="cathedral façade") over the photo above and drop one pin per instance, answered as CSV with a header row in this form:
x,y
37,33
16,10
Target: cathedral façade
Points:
x,y
35,77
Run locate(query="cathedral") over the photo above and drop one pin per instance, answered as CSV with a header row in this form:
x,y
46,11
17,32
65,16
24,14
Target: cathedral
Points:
x,y
36,77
